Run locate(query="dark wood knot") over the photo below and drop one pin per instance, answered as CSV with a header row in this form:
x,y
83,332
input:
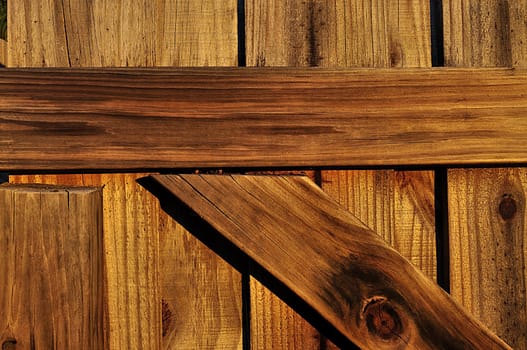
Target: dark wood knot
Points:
x,y
507,207
382,319
9,344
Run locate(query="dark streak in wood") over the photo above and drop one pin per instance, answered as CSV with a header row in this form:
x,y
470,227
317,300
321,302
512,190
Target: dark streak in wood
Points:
x,y
314,55
274,117
51,128
166,316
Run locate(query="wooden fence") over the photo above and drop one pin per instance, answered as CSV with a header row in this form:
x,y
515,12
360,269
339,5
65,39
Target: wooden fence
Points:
x,y
463,227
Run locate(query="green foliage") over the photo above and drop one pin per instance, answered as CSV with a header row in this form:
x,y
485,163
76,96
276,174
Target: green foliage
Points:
x,y
3,19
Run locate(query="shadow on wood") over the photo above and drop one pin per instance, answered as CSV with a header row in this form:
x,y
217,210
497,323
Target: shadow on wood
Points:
x,y
328,258
207,234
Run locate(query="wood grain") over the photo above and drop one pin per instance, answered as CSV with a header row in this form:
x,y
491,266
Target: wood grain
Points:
x,y
488,261
3,52
327,257
518,33
119,119
130,254
201,293
197,33
275,325
52,268
338,33
148,309
166,290
488,224
354,34
489,33
62,34
283,33
398,205
202,302
122,33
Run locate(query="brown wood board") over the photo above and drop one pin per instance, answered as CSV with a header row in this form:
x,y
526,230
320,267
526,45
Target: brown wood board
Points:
x,y
51,270
228,117
327,257
487,206
338,34
131,236
118,33
156,270
486,33
397,205
487,221
3,52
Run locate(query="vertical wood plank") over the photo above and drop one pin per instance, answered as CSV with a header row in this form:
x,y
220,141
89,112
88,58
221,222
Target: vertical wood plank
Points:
x,y
353,34
278,34
275,325
52,268
487,250
201,293
477,33
518,33
123,33
36,34
130,247
3,52
399,205
165,289
414,219
339,33
198,33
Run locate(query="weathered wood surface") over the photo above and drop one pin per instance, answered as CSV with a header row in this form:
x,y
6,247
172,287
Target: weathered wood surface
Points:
x,y
285,33
117,33
131,235
338,33
488,251
398,205
486,33
118,119
335,34
157,271
327,257
487,206
3,52
201,293
51,270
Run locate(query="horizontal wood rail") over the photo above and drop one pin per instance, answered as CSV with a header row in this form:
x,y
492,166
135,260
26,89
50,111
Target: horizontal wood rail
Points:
x,y
328,258
60,119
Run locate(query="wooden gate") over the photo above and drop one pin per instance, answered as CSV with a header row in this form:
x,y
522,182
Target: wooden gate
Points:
x,y
461,222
